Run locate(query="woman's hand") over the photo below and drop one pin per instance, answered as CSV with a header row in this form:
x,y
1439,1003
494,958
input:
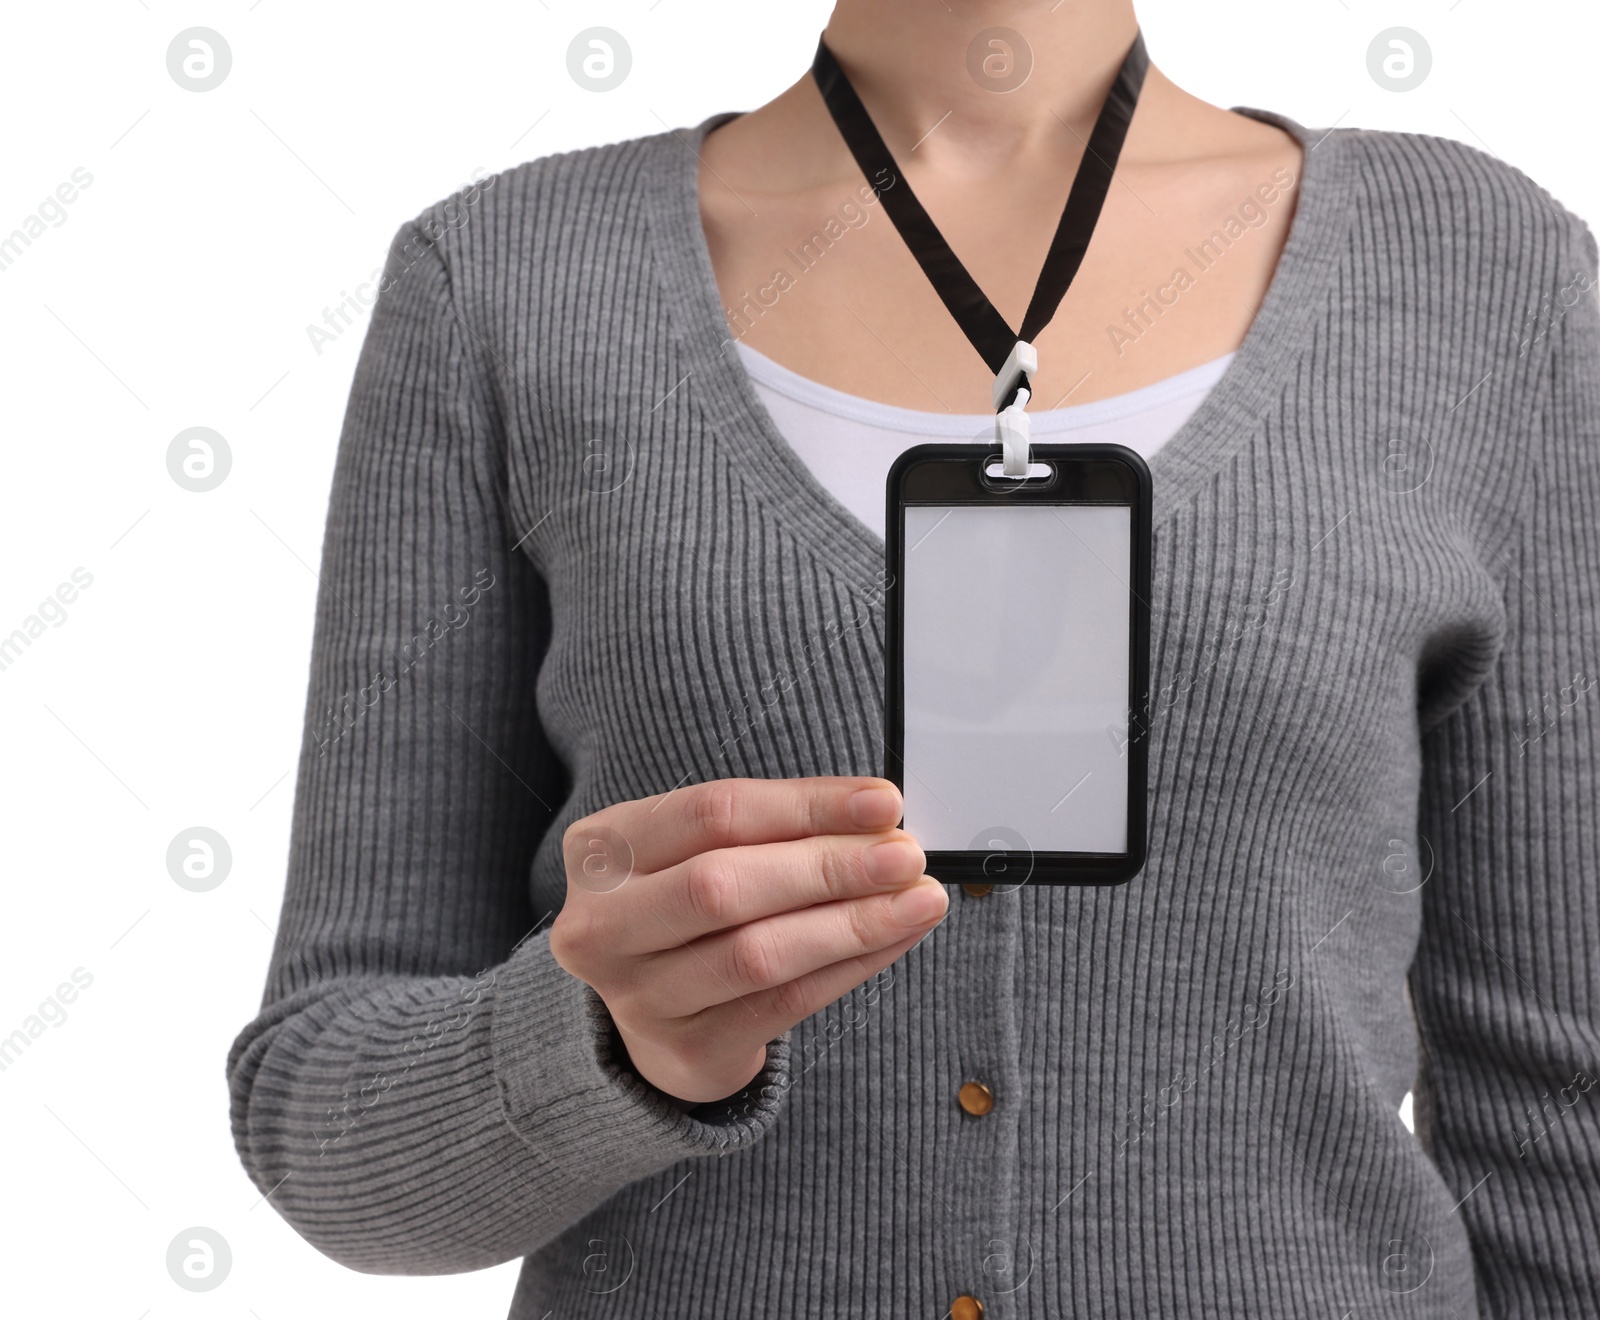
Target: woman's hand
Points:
x,y
713,918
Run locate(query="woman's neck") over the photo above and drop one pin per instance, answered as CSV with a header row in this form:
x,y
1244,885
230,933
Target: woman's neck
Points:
x,y
970,100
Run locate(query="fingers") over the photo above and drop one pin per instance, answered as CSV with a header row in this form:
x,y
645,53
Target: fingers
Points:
x,y
731,886
704,1047
661,831
787,1005
758,957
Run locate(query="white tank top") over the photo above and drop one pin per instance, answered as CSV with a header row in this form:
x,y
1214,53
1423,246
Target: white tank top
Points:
x,y
849,443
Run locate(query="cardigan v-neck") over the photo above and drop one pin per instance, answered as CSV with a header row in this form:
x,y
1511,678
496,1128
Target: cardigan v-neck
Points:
x,y
1276,340
849,442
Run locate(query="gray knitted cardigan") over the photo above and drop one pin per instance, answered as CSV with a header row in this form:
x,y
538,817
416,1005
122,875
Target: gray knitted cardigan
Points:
x,y
569,561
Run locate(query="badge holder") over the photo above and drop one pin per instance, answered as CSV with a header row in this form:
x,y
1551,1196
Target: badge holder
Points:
x,y
1017,648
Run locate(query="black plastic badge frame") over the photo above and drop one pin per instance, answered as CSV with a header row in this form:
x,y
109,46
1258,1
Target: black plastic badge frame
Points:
x,y
943,474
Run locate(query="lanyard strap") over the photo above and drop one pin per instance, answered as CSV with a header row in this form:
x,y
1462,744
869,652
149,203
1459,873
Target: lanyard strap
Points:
x,y
973,311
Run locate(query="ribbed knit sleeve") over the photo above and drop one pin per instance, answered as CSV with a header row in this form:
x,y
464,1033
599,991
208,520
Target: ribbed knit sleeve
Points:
x,y
1506,983
425,1090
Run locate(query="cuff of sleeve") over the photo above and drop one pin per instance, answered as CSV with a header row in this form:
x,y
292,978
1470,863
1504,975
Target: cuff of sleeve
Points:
x,y
566,1082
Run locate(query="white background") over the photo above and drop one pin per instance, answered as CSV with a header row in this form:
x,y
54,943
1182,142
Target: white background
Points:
x,y
177,293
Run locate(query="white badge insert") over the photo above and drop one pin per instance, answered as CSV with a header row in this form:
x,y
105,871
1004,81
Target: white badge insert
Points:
x,y
1016,666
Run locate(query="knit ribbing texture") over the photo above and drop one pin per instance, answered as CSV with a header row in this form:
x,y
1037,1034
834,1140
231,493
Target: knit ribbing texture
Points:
x,y
569,561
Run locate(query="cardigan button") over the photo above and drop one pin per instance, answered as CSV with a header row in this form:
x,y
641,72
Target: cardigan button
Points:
x,y
977,1099
977,890
966,1308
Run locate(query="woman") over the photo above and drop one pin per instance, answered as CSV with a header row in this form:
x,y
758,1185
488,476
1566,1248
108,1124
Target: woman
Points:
x,y
600,947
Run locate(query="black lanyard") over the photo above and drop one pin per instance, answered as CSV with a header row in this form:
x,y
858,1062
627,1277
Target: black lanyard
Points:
x,y
973,311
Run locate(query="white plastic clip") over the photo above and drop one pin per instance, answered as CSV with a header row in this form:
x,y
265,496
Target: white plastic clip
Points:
x,y
1011,429
1023,360
1011,423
